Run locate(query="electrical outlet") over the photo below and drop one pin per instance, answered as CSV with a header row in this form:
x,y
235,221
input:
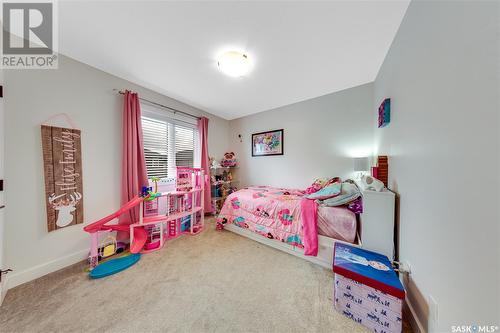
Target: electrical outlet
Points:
x,y
433,315
405,267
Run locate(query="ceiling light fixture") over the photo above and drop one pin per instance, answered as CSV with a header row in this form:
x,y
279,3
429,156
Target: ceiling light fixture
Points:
x,y
234,63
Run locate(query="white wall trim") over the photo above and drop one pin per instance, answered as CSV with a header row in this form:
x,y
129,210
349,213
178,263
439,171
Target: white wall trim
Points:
x,y
17,278
414,320
3,290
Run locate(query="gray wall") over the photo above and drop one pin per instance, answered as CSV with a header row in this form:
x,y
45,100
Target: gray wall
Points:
x,y
86,94
321,136
441,74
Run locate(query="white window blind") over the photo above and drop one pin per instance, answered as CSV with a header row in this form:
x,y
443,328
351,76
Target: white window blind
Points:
x,y
168,143
184,146
155,136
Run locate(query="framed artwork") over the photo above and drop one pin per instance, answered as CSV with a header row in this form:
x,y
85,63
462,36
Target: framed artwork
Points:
x,y
267,143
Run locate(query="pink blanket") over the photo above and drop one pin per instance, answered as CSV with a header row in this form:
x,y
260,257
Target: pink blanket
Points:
x,y
274,213
310,226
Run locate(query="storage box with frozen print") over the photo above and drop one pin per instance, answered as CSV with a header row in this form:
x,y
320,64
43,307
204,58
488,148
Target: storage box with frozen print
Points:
x,y
367,289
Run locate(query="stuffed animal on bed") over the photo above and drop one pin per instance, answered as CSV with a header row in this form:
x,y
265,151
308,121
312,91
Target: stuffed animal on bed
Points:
x,y
229,160
321,183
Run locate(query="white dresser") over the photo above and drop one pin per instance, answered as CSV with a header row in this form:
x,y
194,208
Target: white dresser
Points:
x,y
377,222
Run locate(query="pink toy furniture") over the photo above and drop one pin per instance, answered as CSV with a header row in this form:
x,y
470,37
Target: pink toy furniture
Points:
x,y
152,230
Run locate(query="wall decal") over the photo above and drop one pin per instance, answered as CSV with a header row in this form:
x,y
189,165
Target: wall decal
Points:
x,y
384,113
62,161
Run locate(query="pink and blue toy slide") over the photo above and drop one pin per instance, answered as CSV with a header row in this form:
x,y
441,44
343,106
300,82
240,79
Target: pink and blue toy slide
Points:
x,y
114,266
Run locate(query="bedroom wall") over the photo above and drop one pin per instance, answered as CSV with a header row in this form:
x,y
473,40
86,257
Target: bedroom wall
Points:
x,y
441,74
86,94
321,136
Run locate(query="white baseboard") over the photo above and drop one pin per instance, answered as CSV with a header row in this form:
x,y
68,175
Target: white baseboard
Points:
x,y
416,309
283,246
17,278
413,319
3,291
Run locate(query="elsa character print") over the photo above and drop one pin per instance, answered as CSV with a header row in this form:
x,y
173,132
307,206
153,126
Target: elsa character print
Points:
x,y
354,258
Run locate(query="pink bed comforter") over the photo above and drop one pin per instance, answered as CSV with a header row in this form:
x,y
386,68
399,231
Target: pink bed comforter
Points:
x,y
274,213
271,212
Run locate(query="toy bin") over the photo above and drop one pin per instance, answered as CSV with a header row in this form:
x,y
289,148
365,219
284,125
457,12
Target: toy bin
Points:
x,y
366,289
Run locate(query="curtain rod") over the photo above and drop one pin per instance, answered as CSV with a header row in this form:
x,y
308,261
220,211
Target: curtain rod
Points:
x,y
162,106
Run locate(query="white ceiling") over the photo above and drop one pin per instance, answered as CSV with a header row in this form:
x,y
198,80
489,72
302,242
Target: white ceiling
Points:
x,y
301,49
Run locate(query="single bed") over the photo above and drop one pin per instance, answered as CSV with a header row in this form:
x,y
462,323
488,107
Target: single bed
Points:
x,y
274,214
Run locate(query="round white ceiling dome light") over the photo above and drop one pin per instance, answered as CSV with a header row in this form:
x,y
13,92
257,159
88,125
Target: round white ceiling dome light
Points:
x,y
234,63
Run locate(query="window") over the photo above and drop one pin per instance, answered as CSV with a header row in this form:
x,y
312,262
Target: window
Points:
x,y
168,143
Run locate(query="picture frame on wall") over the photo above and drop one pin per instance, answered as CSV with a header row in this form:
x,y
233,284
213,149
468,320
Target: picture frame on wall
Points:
x,y
269,143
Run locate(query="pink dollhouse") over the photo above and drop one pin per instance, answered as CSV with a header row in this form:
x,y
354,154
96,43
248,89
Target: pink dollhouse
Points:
x,y
184,214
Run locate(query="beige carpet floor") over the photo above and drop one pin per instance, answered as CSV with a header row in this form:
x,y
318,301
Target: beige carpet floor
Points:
x,y
213,282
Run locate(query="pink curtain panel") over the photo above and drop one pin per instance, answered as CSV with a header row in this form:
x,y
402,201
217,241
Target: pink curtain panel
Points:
x,y
134,175
203,132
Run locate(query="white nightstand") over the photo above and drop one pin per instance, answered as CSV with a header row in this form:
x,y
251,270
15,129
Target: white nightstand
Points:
x,y
377,222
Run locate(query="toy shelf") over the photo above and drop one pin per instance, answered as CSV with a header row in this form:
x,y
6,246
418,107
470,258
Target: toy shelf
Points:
x,y
222,184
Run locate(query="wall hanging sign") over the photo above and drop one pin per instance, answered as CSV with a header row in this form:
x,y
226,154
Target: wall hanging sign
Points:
x,y
384,113
267,143
62,161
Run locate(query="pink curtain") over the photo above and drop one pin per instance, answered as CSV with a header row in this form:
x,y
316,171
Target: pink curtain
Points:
x,y
203,132
134,175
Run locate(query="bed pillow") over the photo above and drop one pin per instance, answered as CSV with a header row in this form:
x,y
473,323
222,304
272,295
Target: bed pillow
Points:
x,y
316,186
326,192
350,192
